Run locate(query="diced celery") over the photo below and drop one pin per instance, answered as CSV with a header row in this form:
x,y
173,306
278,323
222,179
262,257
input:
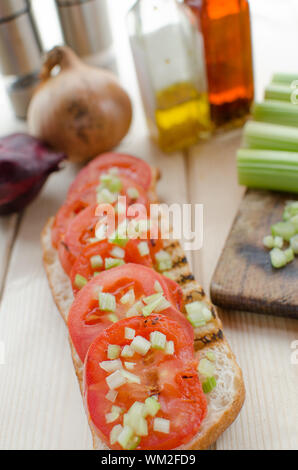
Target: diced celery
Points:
x,y
161,425
158,340
289,254
143,248
114,414
163,305
118,238
195,314
96,262
127,351
140,345
111,395
152,406
157,287
164,261
278,258
114,434
125,437
291,210
113,263
118,252
133,193
115,380
135,310
146,311
129,333
294,244
209,385
170,348
206,368
128,298
211,356
106,196
111,182
131,377
151,298
80,281
268,241
285,230
294,221
111,366
129,365
113,318
107,302
113,351
136,420
278,242
133,443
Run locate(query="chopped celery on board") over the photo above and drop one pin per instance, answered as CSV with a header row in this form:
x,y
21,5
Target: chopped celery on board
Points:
x,y
283,232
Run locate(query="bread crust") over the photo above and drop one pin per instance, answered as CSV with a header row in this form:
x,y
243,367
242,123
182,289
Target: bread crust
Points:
x,y
208,337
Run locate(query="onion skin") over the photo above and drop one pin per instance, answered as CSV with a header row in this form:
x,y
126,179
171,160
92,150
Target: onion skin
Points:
x,y
81,111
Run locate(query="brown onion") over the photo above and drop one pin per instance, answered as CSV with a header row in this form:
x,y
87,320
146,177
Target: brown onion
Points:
x,y
82,110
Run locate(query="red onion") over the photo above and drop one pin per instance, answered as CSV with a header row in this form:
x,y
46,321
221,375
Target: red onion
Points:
x,y
25,164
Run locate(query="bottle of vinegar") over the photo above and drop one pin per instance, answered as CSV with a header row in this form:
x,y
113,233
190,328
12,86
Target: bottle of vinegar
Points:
x,y
226,29
169,58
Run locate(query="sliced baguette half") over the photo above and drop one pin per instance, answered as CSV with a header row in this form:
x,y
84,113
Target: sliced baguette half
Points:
x,y
225,401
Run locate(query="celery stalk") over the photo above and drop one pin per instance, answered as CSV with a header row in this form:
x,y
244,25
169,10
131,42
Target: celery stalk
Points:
x,y
276,112
278,92
259,135
284,78
268,169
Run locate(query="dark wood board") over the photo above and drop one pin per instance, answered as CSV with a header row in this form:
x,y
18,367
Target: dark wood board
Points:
x,y
244,278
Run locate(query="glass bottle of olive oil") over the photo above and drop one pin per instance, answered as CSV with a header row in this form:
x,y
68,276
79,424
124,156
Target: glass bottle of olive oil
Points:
x,y
168,52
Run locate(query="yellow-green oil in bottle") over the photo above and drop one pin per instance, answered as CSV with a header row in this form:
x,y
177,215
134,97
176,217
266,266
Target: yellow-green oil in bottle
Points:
x,y
182,116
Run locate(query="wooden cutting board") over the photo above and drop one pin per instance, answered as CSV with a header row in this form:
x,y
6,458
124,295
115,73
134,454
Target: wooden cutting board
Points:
x,y
244,278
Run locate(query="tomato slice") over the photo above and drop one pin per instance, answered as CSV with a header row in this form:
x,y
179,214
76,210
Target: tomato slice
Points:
x,y
134,168
87,196
83,267
173,379
86,320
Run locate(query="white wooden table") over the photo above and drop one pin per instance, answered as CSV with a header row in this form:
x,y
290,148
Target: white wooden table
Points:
x,y
40,403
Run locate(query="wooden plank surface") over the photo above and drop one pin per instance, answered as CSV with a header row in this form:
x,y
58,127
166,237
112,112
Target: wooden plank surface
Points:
x,y
244,278
40,402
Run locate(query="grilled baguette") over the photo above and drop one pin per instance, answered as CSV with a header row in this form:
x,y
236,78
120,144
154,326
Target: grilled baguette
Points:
x,y
226,400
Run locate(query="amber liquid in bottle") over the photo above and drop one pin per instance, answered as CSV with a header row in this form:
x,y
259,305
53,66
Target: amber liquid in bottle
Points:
x,y
227,34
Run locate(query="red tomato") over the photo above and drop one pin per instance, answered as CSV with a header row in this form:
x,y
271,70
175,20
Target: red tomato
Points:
x,y
86,320
134,168
87,196
103,248
173,378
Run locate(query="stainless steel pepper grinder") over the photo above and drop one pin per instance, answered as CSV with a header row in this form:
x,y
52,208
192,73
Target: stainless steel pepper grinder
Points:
x,y
86,29
20,52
